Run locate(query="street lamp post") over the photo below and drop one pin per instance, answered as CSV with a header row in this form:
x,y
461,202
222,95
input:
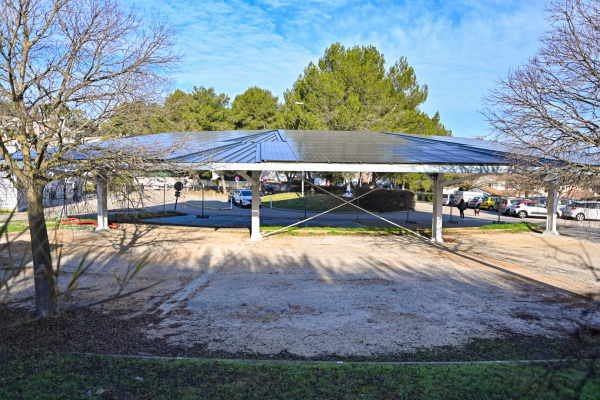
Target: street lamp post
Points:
x,y
302,104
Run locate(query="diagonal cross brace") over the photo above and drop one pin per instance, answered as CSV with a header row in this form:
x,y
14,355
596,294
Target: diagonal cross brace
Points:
x,y
246,177
344,203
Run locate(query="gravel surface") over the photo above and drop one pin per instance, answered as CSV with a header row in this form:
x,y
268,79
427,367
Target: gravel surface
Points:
x,y
348,296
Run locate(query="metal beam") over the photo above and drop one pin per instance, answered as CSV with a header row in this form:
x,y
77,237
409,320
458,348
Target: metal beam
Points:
x,y
437,215
354,167
465,178
552,206
246,177
255,218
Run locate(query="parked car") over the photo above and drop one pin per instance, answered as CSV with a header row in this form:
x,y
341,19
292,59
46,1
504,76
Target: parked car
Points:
x,y
387,186
489,203
243,198
269,191
474,202
562,205
448,199
583,210
159,183
466,196
505,203
529,208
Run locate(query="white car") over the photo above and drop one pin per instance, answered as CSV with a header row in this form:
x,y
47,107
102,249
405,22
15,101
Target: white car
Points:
x,y
529,208
447,199
347,193
243,198
159,183
582,210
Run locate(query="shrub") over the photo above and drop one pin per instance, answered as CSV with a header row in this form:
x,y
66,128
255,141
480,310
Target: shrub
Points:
x,y
382,200
337,190
425,196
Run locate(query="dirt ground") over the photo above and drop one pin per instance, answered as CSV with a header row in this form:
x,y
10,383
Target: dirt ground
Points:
x,y
345,295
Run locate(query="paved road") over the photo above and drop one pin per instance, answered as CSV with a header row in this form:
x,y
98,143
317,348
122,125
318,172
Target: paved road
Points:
x,y
422,216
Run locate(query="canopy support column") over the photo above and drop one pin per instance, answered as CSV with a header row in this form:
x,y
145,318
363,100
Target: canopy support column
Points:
x,y
255,227
102,191
438,194
552,207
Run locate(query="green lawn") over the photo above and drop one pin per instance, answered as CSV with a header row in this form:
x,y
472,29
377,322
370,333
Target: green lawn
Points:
x,y
295,230
23,225
316,202
73,376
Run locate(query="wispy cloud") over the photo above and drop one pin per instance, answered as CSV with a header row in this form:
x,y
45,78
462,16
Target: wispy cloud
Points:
x,y
457,48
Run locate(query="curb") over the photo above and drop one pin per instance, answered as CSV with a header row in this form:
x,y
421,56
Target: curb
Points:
x,y
266,361
207,208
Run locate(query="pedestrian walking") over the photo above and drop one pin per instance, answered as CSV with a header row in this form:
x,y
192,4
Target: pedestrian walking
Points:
x,y
461,207
75,190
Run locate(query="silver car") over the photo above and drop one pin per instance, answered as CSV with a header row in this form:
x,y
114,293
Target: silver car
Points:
x,y
473,202
583,210
562,205
505,203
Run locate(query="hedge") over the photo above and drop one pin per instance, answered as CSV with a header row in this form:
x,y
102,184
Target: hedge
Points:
x,y
382,200
337,190
425,196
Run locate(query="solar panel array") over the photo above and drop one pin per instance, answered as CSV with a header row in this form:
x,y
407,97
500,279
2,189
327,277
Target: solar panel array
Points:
x,y
332,147
349,147
383,148
277,151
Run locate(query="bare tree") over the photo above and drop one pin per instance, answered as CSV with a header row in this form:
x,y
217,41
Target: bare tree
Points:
x,y
548,108
66,66
289,176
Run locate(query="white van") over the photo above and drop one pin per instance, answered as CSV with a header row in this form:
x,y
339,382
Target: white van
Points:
x,y
466,196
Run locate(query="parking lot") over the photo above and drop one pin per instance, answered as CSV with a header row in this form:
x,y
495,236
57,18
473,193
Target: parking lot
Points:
x,y
313,296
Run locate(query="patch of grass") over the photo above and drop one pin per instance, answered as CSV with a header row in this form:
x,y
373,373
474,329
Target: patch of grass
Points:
x,y
296,230
23,225
526,225
73,376
144,215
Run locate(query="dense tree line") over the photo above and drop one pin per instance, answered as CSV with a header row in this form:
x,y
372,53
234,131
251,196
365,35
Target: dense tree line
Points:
x,y
347,89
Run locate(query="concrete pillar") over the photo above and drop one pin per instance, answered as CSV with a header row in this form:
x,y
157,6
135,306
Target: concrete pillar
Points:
x,y
102,204
255,227
552,208
436,223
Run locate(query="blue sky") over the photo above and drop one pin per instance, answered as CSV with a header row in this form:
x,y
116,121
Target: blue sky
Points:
x,y
458,48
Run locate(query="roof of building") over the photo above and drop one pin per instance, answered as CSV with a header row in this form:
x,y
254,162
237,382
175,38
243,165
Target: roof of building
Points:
x,y
499,193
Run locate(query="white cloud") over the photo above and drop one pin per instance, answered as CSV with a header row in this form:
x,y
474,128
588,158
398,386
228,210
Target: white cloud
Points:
x,y
457,48
232,45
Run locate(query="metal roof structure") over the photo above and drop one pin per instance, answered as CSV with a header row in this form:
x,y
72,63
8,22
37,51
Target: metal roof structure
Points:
x,y
295,150
343,151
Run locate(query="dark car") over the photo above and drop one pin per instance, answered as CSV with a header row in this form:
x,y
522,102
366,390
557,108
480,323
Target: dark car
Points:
x,y
269,190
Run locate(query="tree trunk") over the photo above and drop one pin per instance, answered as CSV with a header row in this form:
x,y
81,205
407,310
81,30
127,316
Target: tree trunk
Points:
x,y
224,184
45,293
364,179
290,179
